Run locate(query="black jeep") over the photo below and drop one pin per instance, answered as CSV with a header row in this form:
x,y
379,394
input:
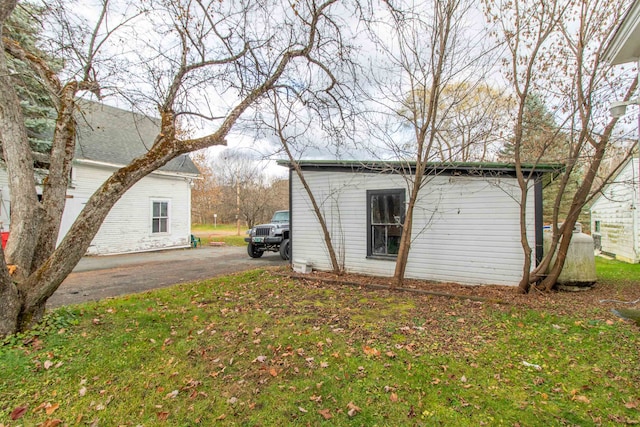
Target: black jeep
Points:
x,y
273,237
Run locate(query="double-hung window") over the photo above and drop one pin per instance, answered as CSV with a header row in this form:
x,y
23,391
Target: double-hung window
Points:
x,y
385,216
159,216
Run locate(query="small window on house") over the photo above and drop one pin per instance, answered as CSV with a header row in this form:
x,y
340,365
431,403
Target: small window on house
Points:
x,y
597,227
160,216
385,216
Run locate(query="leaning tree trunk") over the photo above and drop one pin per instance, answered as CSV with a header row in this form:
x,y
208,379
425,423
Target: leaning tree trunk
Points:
x,y
55,188
40,285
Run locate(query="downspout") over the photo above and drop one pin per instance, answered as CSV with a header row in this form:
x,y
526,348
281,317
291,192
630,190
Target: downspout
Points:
x,y
539,220
291,214
636,190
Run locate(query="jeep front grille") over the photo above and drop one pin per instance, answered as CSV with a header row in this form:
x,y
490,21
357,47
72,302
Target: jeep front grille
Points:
x,y
262,231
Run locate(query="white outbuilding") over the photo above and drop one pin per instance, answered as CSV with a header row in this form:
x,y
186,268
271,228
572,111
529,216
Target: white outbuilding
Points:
x,y
466,223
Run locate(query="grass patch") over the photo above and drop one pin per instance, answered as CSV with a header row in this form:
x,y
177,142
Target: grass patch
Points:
x,y
218,228
616,272
256,349
221,233
228,240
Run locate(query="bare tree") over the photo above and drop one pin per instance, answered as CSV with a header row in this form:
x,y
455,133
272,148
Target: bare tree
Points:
x,y
432,66
234,51
289,138
554,52
205,192
247,193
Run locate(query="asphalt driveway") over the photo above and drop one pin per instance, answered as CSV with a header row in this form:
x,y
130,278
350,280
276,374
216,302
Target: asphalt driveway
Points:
x,y
99,277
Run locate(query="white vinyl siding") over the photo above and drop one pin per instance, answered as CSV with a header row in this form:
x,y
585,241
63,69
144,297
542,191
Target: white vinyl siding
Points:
x,y
618,214
466,229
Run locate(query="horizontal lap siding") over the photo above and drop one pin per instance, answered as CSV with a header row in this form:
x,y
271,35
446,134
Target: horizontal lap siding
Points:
x,y
615,211
127,228
469,232
465,230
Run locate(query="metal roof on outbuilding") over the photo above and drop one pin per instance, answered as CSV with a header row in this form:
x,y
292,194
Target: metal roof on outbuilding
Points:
x,y
382,166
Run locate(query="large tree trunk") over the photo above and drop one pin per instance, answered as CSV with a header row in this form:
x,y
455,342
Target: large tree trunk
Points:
x,y
12,128
25,208
55,188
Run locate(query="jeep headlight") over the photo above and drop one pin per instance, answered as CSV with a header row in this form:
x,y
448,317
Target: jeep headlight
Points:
x,y
251,232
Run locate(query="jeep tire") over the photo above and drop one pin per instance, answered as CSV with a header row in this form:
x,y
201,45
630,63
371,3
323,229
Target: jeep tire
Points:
x,y
285,249
253,251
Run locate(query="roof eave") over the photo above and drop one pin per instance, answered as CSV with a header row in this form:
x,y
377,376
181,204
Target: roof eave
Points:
x,y
395,165
156,172
625,45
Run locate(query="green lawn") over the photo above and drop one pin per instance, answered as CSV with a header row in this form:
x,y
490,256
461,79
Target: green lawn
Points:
x,y
226,233
617,272
219,228
257,349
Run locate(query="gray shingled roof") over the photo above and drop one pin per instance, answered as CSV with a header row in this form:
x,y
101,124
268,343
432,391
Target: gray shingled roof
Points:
x,y
111,135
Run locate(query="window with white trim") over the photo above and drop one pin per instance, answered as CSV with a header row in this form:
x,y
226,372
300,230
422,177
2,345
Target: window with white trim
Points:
x,y
385,218
159,216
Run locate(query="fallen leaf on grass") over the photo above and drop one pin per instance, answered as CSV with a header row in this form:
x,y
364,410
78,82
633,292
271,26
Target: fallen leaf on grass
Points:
x,y
51,423
582,399
50,409
162,416
352,409
393,397
82,391
18,413
47,364
273,372
172,395
370,351
301,409
412,412
631,405
326,414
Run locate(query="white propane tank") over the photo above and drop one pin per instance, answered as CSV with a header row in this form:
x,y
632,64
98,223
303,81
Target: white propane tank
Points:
x,y
579,272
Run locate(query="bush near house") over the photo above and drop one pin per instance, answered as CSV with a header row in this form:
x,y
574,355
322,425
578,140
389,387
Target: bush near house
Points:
x,y
262,349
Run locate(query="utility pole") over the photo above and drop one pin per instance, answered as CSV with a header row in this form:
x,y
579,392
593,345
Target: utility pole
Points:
x,y
238,202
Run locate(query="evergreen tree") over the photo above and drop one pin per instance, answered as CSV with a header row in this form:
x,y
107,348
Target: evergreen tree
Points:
x,y
37,106
542,139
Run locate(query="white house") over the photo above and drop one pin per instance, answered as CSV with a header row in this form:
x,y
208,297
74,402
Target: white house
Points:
x,y
615,214
615,217
466,222
154,214
625,44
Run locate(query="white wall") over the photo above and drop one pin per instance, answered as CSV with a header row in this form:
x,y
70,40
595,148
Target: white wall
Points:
x,y
466,230
619,215
4,199
127,228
